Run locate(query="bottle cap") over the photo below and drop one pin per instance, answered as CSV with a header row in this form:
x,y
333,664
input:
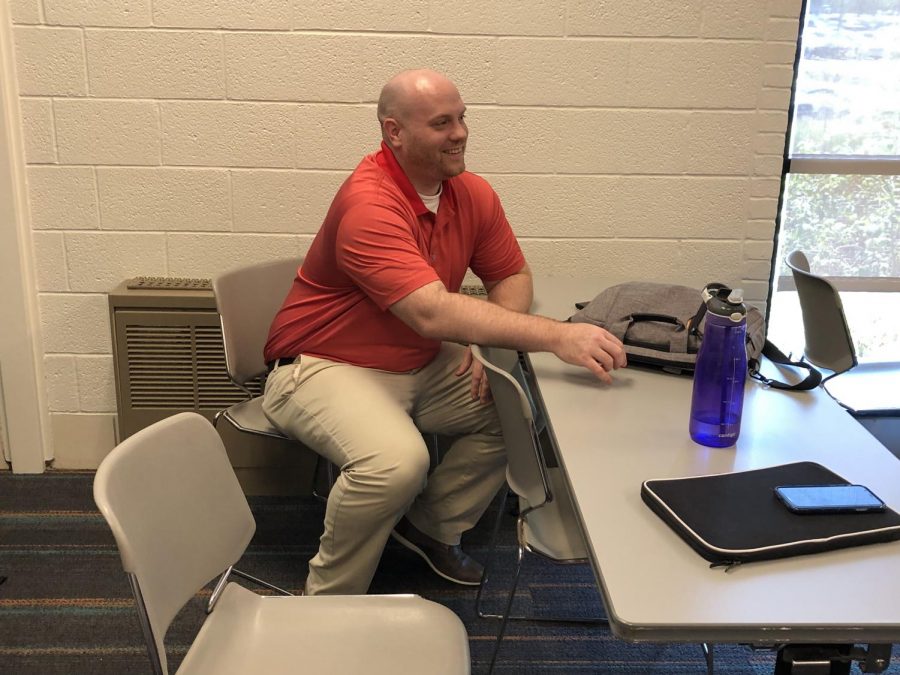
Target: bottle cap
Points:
x,y
725,302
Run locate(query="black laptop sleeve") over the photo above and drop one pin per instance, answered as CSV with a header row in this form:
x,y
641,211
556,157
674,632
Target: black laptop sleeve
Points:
x,y
733,518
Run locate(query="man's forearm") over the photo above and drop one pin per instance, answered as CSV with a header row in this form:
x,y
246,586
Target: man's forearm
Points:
x,y
435,313
515,292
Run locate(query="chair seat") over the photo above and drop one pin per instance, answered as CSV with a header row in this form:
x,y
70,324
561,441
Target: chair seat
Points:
x,y
372,634
868,388
553,530
248,416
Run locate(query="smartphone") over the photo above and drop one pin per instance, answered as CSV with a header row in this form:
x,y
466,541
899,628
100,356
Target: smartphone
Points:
x,y
829,499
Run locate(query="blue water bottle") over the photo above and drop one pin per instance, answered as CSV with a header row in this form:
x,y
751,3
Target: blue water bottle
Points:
x,y
721,369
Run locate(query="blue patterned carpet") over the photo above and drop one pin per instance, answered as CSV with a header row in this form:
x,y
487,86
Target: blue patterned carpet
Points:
x,y
65,607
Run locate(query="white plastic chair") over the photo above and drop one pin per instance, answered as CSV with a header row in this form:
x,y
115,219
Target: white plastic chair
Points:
x,y
547,524
869,388
247,299
180,518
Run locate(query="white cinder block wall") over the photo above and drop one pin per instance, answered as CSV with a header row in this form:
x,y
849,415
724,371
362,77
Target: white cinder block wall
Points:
x,y
641,139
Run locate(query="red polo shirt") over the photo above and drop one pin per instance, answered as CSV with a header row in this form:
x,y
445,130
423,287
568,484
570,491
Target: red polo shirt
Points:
x,y
379,243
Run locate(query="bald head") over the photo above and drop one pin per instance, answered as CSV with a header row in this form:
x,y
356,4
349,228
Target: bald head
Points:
x,y
409,88
423,123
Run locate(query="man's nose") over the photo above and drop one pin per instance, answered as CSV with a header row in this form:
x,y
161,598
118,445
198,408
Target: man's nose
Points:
x,y
460,131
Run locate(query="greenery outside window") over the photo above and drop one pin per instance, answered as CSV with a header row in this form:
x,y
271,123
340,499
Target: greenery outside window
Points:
x,y
841,202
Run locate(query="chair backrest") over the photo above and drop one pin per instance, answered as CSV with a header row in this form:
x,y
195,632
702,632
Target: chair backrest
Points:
x,y
526,471
248,299
828,340
177,513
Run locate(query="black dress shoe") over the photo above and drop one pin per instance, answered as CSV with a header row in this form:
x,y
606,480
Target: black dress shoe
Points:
x,y
450,562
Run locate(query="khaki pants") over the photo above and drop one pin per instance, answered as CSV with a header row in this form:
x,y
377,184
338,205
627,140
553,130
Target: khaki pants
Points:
x,y
369,423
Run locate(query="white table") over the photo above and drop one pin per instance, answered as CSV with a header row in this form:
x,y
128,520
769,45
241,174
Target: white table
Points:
x,y
655,587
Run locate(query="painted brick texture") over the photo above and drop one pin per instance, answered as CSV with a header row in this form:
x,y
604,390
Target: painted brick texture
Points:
x,y
639,138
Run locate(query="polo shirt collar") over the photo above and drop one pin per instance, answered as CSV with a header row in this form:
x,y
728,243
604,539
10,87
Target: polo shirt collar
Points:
x,y
388,162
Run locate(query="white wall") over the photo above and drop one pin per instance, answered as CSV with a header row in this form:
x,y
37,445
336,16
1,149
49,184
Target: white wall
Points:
x,y
640,138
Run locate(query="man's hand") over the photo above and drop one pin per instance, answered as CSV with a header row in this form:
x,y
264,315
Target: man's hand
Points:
x,y
480,389
598,350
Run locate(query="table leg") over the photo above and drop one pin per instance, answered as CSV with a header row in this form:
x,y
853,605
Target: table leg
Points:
x,y
813,660
831,659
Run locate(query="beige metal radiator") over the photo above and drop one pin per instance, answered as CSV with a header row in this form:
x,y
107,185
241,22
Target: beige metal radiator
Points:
x,y
168,357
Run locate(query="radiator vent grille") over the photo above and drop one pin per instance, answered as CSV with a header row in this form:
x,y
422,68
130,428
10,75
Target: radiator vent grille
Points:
x,y
168,358
214,388
179,367
160,365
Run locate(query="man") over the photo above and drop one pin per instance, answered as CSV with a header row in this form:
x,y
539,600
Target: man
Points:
x,y
367,349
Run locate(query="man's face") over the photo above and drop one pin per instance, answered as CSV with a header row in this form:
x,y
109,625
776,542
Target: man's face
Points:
x,y
433,138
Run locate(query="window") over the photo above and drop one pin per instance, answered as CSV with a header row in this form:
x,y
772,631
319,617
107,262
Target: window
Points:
x,y
841,201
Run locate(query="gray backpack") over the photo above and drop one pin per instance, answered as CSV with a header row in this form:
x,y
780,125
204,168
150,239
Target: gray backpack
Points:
x,y
661,325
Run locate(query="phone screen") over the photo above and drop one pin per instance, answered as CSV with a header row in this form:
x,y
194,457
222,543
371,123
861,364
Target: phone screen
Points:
x,y
829,498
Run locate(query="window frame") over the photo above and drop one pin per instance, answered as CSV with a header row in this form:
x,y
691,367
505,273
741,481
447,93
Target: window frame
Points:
x,y
805,163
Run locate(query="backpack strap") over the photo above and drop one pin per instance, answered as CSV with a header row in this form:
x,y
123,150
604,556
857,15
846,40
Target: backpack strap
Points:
x,y
694,322
775,355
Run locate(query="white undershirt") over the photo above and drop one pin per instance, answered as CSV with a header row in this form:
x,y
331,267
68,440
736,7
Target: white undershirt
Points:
x,y
431,202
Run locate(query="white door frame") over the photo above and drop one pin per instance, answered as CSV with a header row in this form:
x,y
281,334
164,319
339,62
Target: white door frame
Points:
x,y
24,416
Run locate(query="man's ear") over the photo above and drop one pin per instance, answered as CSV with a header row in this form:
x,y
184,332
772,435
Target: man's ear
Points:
x,y
391,131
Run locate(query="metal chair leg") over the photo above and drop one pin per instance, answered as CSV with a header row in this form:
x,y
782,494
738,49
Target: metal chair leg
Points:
x,y
509,603
489,563
708,655
146,629
265,584
217,591
434,449
223,580
328,467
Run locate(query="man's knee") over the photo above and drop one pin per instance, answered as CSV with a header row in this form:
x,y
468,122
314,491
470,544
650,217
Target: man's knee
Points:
x,y
407,479
398,473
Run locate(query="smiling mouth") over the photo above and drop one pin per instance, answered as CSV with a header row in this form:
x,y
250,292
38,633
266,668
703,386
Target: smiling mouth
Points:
x,y
455,151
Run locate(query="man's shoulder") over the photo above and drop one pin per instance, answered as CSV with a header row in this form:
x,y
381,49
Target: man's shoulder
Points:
x,y
370,196
473,188
471,181
370,183
368,171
